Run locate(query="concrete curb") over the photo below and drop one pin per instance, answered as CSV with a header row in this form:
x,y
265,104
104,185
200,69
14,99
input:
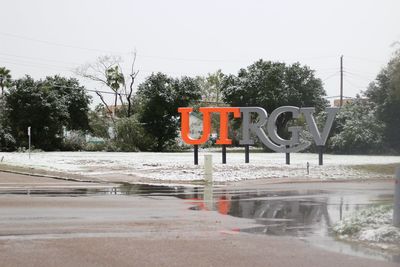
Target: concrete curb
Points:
x,y
52,176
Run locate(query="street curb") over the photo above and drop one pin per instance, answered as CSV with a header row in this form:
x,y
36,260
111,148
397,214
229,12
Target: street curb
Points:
x,y
51,176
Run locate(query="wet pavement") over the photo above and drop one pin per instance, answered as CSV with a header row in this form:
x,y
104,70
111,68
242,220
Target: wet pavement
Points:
x,y
304,211
305,214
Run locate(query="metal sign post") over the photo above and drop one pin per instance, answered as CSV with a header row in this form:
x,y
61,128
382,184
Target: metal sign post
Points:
x,y
196,154
29,141
223,154
247,153
287,157
321,155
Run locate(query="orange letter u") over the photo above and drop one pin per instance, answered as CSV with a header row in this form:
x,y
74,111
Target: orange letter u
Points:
x,y
185,127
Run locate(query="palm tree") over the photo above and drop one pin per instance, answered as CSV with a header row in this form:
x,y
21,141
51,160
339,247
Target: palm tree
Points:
x,y
5,79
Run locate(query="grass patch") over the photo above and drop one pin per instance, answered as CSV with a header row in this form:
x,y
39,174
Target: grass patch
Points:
x,y
385,169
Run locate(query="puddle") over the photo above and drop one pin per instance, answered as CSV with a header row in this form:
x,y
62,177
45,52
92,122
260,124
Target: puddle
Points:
x,y
305,214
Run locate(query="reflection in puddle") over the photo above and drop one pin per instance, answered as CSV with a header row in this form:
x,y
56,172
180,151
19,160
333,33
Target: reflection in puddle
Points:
x,y
306,214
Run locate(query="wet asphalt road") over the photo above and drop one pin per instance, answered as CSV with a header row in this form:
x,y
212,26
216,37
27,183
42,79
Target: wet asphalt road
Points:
x,y
47,222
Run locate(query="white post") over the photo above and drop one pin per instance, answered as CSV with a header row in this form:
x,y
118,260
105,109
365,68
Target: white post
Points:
x,y
208,196
208,168
396,208
29,137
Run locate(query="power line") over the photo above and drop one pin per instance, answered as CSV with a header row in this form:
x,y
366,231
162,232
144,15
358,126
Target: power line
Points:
x,y
78,88
360,71
35,65
28,63
359,76
366,59
113,93
337,96
89,90
37,58
57,44
70,69
143,55
327,69
355,86
330,76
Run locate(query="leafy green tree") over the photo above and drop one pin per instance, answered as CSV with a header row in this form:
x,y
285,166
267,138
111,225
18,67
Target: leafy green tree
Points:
x,y
357,130
7,141
46,106
28,105
74,98
5,79
211,87
384,93
273,84
160,97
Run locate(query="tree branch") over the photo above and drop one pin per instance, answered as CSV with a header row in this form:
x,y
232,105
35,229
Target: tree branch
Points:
x,y
105,104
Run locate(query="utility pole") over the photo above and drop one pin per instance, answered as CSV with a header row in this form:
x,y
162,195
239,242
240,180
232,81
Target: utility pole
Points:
x,y
341,81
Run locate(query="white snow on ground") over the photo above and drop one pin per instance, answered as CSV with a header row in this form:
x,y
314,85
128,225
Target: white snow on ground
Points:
x,y
180,167
372,225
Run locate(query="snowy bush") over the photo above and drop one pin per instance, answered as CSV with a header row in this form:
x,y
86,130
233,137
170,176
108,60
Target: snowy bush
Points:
x,y
370,225
131,136
357,130
74,141
7,141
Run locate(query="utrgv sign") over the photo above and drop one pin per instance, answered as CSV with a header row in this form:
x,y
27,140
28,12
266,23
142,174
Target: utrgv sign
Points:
x,y
272,140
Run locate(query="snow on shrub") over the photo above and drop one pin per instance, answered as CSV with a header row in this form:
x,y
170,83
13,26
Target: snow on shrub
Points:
x,y
373,225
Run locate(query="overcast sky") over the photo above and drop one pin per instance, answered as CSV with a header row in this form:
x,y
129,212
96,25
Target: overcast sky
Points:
x,y
47,37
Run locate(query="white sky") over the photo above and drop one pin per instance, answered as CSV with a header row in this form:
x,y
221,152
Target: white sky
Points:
x,y
47,37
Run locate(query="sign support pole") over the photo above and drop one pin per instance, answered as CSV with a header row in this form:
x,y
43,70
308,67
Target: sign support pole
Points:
x,y
247,153
321,155
196,154
287,157
223,154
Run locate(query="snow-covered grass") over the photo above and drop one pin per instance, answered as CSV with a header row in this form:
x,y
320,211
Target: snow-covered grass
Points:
x,y
179,166
372,226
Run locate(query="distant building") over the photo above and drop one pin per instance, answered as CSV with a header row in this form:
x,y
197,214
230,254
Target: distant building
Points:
x,y
336,102
113,110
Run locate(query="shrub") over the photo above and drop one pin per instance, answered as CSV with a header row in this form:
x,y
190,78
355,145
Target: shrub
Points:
x,y
74,141
131,136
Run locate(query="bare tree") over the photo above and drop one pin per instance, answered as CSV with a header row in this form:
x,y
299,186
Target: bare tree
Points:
x,y
99,72
128,93
107,71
